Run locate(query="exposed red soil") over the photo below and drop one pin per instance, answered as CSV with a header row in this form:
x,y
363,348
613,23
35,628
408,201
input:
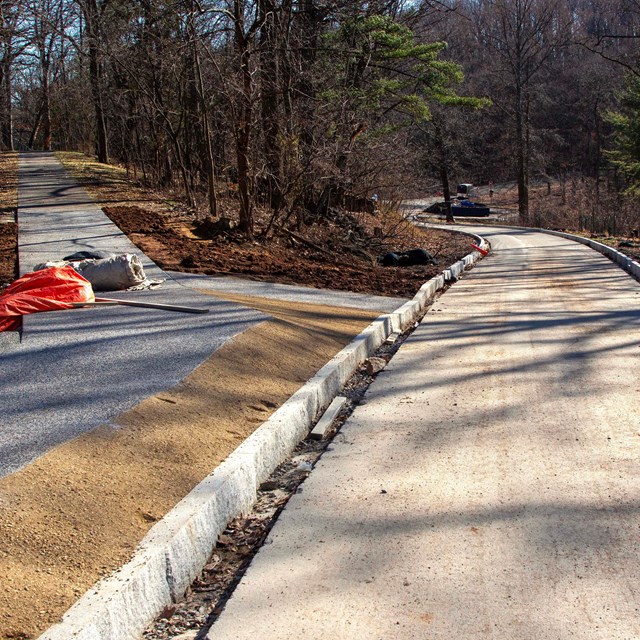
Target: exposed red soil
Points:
x,y
8,263
332,263
8,227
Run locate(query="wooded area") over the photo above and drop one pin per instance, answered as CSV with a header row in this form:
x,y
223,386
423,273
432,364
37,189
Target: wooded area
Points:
x,y
298,106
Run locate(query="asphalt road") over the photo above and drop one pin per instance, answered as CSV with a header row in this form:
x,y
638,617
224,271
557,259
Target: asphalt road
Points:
x,y
292,293
489,486
75,370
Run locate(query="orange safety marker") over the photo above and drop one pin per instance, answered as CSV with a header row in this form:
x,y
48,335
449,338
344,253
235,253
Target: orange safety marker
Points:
x,y
484,252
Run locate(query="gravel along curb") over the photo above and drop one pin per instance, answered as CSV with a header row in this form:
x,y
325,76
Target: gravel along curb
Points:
x,y
176,549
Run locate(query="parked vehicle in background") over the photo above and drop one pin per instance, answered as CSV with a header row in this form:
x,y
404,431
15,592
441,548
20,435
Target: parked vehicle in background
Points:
x,y
468,208
463,208
464,191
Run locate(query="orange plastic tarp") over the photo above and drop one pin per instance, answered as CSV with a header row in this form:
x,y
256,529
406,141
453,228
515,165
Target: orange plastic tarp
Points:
x,y
50,289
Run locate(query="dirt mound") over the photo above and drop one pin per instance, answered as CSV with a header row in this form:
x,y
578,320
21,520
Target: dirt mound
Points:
x,y
326,256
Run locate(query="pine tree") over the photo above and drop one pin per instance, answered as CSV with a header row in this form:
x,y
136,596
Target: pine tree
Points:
x,y
625,155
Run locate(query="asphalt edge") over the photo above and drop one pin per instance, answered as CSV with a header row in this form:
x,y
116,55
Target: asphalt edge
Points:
x,y
625,262
174,551
622,260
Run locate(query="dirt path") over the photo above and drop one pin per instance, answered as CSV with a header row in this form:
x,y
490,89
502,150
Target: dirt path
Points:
x,y
77,513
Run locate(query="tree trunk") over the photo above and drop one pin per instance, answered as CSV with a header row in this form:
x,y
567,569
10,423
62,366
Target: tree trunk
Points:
x,y
7,123
210,162
310,19
446,191
598,151
443,169
35,130
93,28
46,111
270,82
243,124
181,163
521,153
102,149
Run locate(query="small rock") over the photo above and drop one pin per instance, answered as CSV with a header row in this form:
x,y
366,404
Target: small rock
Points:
x,y
375,365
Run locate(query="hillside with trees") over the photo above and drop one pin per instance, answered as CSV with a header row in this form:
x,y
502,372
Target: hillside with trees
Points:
x,y
269,116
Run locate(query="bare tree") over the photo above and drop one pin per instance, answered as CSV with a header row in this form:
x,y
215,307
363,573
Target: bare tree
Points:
x,y
10,49
611,30
94,13
524,34
202,100
49,20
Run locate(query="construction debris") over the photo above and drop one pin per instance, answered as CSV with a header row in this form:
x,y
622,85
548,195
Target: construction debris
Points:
x,y
409,258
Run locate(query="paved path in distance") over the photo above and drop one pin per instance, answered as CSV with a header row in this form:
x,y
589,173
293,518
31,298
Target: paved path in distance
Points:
x,y
489,485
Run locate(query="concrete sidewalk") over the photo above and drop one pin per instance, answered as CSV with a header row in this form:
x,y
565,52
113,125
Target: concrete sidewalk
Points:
x,y
273,290
489,486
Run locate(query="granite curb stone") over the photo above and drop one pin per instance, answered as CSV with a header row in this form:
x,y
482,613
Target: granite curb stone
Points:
x,y
175,550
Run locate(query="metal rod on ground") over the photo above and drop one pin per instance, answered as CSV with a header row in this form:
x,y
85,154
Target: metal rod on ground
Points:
x,y
110,302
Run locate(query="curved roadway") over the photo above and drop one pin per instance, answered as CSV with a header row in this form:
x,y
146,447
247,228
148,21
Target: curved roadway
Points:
x,y
490,485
